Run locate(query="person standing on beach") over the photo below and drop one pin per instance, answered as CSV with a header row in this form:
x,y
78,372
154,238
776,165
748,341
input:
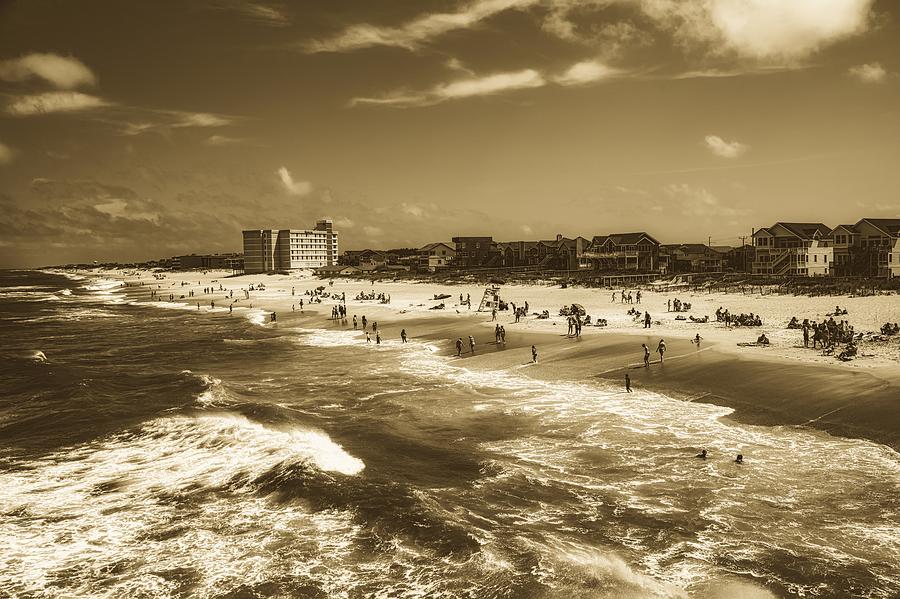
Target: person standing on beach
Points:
x,y
697,339
646,355
613,300
668,305
646,320
533,355
661,349
502,334
365,322
627,383
403,335
472,344
493,314
638,296
355,324
497,334
805,335
458,347
377,338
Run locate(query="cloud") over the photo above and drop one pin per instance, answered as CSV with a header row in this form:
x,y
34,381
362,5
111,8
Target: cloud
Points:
x,y
725,149
586,71
6,154
296,188
163,121
527,230
64,72
416,31
699,202
872,72
371,231
257,11
51,102
768,30
461,88
121,209
342,222
222,140
413,210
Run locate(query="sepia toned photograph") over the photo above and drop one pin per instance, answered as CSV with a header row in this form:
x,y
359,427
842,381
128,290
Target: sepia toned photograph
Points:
x,y
449,299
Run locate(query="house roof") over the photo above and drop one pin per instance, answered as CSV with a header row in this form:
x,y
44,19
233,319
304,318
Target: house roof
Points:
x,y
806,230
848,228
889,226
430,246
336,268
623,238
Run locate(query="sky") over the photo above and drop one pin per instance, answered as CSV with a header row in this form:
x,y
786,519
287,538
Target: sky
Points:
x,y
132,130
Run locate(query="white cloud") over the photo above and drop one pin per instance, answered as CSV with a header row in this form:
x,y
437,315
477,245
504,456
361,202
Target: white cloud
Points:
x,y
770,30
6,154
258,11
222,140
699,202
50,102
343,223
64,72
725,149
296,188
200,119
412,210
461,88
120,209
527,230
420,29
372,231
586,71
872,72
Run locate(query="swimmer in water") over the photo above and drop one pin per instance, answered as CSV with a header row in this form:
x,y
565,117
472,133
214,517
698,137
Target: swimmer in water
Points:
x,y
701,455
739,459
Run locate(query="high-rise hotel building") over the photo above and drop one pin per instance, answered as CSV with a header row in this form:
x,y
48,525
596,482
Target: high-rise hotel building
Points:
x,y
270,250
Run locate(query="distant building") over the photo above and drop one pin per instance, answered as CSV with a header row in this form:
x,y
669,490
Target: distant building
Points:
x,y
871,247
436,256
338,270
561,253
270,250
476,252
693,257
622,252
793,249
206,261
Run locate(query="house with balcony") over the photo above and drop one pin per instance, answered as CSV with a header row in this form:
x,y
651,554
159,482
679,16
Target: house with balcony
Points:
x,y
476,252
692,257
876,247
793,249
435,256
637,252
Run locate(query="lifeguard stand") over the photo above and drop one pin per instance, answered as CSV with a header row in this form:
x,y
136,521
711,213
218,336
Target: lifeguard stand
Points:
x,y
491,299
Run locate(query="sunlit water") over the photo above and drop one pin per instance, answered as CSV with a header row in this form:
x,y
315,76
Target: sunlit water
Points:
x,y
170,453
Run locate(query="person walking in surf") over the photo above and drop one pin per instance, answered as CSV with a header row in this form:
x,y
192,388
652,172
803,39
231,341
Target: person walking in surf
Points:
x,y
533,355
403,335
459,347
627,384
661,350
646,355
472,344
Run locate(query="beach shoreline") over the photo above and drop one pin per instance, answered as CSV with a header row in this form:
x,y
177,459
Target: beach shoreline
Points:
x,y
761,387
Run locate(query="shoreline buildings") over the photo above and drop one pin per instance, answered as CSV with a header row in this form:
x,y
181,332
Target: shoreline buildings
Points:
x,y
271,250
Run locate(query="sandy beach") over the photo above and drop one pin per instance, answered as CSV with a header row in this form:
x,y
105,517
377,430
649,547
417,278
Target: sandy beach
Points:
x,y
783,384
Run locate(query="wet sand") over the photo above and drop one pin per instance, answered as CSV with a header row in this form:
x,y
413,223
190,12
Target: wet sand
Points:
x,y
761,391
761,388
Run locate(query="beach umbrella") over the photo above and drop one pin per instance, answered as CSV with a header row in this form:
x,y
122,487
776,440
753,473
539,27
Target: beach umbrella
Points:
x,y
579,308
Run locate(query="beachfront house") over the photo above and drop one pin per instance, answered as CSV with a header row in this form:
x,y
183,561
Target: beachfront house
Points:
x,y
692,257
876,247
283,250
793,249
435,256
637,252
476,252
337,270
562,253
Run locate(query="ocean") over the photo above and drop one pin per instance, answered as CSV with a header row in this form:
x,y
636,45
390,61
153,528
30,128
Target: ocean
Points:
x,y
149,452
